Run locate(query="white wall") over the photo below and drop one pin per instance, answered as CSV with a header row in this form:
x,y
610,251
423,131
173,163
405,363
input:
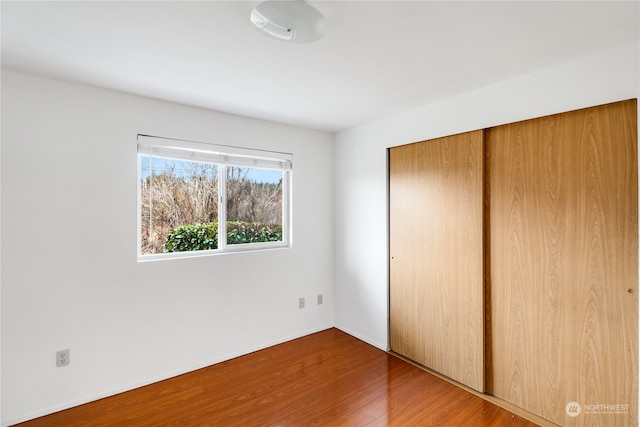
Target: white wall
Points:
x,y
361,174
69,273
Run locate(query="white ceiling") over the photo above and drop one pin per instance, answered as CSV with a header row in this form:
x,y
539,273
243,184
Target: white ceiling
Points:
x,y
378,58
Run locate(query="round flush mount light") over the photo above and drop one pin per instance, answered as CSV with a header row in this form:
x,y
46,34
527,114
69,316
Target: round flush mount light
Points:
x,y
289,21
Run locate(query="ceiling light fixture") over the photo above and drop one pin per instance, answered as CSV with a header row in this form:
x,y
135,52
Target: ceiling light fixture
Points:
x,y
289,21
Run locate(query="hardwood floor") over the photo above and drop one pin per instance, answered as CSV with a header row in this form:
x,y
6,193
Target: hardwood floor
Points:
x,y
324,379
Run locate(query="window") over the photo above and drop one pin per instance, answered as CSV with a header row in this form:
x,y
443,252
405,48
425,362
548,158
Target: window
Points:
x,y
190,194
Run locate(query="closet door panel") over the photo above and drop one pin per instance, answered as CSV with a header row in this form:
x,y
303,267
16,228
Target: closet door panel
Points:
x,y
563,266
436,268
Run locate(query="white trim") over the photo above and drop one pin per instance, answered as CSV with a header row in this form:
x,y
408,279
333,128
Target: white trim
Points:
x,y
230,249
138,210
211,153
287,208
222,207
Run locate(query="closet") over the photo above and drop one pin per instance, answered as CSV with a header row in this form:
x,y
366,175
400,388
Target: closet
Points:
x,y
514,262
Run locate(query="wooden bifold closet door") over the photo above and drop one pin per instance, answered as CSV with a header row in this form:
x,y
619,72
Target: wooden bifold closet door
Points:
x,y
436,299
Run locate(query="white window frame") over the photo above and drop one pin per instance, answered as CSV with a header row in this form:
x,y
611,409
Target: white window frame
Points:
x,y
223,156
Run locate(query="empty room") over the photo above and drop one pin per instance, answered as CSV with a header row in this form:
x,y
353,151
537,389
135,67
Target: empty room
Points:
x,y
333,213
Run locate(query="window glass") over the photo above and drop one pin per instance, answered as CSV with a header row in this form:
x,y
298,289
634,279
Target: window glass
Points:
x,y
175,193
254,205
181,184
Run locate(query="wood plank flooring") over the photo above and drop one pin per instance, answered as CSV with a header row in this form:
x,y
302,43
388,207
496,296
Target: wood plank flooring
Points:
x,y
324,379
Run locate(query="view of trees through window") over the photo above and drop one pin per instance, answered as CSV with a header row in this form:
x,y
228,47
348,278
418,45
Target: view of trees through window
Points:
x,y
179,205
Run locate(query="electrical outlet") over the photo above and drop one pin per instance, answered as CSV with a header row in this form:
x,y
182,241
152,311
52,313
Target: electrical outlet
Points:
x,y
319,299
62,358
301,303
